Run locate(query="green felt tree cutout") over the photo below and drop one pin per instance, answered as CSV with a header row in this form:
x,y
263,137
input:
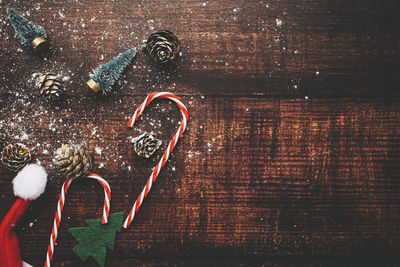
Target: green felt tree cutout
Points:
x,y
106,75
96,238
26,30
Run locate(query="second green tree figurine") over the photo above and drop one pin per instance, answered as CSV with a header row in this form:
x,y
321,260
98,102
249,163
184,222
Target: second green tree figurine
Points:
x,y
105,76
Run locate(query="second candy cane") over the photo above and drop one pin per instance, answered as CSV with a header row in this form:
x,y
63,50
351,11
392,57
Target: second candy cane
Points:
x,y
170,148
60,207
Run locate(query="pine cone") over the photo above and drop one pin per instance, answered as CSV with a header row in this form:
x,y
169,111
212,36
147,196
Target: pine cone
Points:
x,y
146,144
163,46
49,85
15,156
3,138
73,162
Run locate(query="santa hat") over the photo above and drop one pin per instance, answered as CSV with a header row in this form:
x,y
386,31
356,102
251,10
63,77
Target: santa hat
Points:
x,y
28,185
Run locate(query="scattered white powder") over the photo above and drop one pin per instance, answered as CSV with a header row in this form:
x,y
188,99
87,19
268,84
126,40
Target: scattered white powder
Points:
x,y
94,130
98,150
24,136
24,114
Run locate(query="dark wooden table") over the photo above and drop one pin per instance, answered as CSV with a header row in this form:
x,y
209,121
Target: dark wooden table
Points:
x,y
292,155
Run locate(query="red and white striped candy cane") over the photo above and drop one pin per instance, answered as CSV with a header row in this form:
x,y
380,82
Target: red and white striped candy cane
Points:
x,y
170,148
60,207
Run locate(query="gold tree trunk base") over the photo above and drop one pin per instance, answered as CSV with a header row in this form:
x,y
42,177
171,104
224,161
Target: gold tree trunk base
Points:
x,y
40,44
93,85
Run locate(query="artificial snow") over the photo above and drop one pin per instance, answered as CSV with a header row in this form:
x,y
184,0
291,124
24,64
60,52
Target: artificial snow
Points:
x,y
98,150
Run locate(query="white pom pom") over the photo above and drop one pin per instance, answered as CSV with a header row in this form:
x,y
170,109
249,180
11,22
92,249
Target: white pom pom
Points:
x,y
30,182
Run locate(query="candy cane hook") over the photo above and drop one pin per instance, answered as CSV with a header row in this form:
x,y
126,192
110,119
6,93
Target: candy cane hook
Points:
x,y
60,207
170,148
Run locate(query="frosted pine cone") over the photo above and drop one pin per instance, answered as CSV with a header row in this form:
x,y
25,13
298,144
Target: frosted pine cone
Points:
x,y
146,144
49,85
73,162
163,46
15,156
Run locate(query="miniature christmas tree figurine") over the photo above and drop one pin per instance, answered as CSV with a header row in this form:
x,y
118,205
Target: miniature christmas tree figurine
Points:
x,y
104,77
96,238
27,32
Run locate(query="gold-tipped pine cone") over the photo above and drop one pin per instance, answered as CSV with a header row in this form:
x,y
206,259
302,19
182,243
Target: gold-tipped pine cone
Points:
x,y
163,46
49,85
73,162
15,156
146,144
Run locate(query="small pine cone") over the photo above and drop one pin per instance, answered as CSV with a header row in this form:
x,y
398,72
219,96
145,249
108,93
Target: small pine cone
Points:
x,y
15,156
163,46
146,144
73,162
49,85
3,138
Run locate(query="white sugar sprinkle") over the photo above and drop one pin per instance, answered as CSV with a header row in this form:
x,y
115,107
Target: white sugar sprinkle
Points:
x,y
98,150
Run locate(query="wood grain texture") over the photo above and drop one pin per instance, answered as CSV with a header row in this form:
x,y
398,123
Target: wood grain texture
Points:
x,y
290,177
229,47
263,176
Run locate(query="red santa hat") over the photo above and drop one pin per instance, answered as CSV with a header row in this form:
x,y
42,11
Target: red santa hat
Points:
x,y
28,185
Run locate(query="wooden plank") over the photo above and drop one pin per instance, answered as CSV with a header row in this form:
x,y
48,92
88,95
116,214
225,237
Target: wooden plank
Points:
x,y
290,48
253,177
263,175
152,260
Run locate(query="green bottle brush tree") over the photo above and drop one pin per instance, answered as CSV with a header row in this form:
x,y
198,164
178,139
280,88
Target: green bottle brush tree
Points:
x,y
28,33
105,76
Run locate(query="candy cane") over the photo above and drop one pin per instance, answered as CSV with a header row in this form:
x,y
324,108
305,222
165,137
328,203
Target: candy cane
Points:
x,y
170,148
60,207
